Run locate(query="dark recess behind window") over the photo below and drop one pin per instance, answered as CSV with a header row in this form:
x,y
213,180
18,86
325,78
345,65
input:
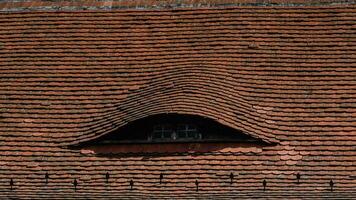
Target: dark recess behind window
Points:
x,y
140,131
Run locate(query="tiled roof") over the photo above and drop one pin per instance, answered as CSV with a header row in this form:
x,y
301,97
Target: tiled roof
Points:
x,y
68,5
282,74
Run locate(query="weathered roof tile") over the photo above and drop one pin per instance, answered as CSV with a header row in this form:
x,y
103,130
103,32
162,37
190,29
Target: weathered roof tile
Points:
x,y
280,73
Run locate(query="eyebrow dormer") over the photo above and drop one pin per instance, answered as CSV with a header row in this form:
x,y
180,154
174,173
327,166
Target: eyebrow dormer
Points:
x,y
174,128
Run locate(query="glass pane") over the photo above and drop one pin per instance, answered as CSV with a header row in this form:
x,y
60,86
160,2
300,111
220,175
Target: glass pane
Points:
x,y
157,135
175,131
192,134
162,131
191,127
181,134
157,128
180,127
166,127
167,134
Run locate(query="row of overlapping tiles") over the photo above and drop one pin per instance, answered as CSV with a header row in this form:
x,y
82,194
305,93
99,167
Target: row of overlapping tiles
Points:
x,y
250,166
33,5
157,172
275,73
285,75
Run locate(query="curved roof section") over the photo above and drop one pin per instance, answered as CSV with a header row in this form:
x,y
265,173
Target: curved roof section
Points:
x,y
276,73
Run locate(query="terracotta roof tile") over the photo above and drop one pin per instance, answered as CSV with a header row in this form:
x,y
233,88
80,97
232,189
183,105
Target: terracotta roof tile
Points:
x,y
280,73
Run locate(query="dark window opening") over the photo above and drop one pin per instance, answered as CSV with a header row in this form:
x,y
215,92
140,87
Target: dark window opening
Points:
x,y
172,128
162,131
174,131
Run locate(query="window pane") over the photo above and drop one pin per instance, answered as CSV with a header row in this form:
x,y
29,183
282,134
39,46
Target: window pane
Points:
x,y
192,134
162,131
175,131
181,134
157,128
167,134
167,127
191,127
157,135
180,127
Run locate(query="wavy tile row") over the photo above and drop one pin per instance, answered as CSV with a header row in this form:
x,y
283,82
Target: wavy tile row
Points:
x,y
285,75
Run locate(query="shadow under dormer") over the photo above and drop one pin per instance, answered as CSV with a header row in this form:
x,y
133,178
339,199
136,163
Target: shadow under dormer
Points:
x,y
167,134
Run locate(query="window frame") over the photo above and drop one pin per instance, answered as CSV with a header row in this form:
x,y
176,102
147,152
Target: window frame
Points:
x,y
175,132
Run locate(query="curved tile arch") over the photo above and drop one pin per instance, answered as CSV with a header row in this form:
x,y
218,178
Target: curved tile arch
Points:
x,y
287,72
180,92
251,78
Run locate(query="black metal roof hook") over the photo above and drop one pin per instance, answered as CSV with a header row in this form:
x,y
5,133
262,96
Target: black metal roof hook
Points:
x,y
264,184
231,177
331,183
131,184
298,177
11,183
75,183
46,177
107,176
160,178
197,185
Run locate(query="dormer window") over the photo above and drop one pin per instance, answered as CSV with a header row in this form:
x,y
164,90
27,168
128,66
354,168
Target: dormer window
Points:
x,y
174,128
175,132
162,132
187,131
